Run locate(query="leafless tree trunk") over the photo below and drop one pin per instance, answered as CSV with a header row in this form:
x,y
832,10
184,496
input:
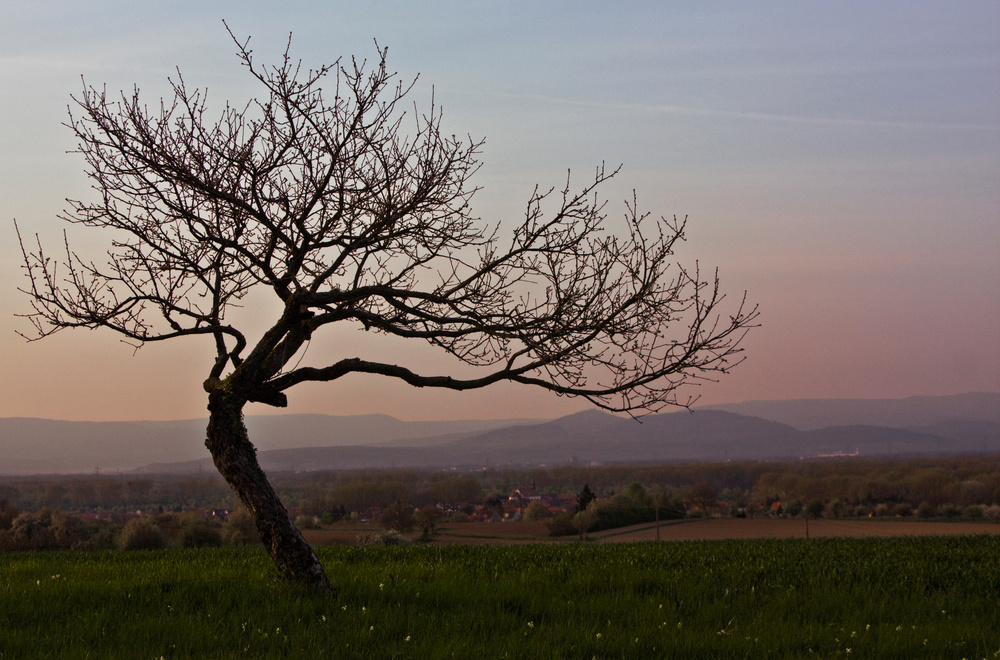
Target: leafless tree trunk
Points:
x,y
236,459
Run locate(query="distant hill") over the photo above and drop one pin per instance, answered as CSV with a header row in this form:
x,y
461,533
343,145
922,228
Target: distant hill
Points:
x,y
912,412
968,423
595,437
37,446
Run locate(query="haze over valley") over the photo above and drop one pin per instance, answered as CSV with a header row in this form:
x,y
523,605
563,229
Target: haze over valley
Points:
x,y
766,430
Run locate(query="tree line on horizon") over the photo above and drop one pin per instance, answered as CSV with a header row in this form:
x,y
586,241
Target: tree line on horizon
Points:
x,y
858,484
132,512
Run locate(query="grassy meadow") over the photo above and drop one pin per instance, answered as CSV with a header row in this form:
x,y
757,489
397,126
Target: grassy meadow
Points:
x,y
887,598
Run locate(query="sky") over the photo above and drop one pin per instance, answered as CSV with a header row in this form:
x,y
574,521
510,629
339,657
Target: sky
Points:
x,y
839,162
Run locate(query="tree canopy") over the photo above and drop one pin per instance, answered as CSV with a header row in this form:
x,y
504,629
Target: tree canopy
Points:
x,y
325,193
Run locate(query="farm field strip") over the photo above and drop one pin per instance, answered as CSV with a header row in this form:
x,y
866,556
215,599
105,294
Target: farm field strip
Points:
x,y
673,530
886,598
723,528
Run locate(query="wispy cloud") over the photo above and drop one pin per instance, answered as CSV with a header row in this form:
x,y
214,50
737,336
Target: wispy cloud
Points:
x,y
754,116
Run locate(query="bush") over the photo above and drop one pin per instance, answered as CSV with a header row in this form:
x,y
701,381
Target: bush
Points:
x,y
68,531
793,508
586,521
612,514
949,511
902,510
101,536
537,511
638,497
427,519
973,512
384,538
925,510
45,529
7,514
240,529
170,526
306,522
141,534
200,535
30,530
562,524
398,518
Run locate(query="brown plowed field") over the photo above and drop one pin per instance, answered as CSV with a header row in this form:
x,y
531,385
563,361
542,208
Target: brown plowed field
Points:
x,y
519,533
698,530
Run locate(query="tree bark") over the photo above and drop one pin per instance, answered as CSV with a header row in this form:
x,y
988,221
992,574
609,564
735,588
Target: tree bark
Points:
x,y
236,459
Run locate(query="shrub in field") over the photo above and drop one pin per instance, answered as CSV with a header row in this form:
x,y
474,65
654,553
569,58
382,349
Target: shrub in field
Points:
x,y
7,514
426,518
586,521
973,512
200,534
68,530
612,514
704,496
239,528
902,510
459,517
792,508
537,511
398,517
992,512
45,529
617,513
171,526
562,524
141,534
306,522
948,510
638,497
386,537
102,536
671,507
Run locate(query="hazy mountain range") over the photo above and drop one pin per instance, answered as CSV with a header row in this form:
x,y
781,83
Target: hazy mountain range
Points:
x,y
949,425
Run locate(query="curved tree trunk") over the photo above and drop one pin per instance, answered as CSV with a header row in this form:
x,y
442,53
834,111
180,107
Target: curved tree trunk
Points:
x,y
236,459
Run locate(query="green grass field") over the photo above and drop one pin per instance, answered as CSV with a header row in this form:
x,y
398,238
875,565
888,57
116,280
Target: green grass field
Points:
x,y
866,598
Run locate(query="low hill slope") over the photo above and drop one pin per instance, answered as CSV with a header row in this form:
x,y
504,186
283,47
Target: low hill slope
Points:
x,y
911,412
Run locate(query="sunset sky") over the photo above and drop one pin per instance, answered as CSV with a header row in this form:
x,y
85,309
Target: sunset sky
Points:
x,y
838,161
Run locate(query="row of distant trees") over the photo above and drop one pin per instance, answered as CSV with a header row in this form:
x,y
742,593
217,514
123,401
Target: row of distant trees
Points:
x,y
314,493
117,493
943,487
50,529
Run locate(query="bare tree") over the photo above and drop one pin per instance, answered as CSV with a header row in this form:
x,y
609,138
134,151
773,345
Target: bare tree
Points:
x,y
326,198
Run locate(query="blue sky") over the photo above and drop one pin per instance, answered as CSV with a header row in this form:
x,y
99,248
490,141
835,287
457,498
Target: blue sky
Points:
x,y
840,161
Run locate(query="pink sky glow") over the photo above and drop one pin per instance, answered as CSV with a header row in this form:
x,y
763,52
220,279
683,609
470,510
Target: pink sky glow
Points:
x,y
838,161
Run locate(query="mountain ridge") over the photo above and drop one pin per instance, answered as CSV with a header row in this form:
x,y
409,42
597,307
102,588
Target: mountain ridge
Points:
x,y
908,412
927,426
